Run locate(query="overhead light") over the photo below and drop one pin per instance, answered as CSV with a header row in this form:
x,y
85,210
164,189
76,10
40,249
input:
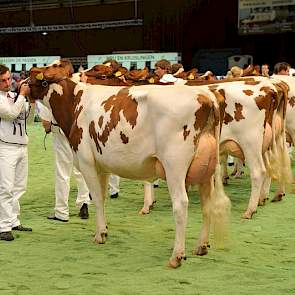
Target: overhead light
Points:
x,y
44,33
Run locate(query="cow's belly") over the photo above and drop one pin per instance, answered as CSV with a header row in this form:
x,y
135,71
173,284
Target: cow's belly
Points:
x,y
204,162
232,148
131,166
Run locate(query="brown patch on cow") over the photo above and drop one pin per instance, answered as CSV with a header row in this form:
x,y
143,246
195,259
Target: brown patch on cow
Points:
x,y
185,132
66,112
238,112
253,82
292,101
282,98
203,112
213,87
220,97
93,134
100,121
248,92
202,117
124,138
267,102
222,92
76,132
123,103
227,118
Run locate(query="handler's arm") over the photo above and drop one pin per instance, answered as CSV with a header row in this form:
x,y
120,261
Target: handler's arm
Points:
x,y
11,111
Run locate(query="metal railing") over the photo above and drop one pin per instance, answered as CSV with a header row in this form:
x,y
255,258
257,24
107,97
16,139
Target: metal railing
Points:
x,y
73,27
11,5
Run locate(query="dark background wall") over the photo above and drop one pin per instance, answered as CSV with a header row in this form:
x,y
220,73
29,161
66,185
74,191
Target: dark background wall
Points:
x,y
189,27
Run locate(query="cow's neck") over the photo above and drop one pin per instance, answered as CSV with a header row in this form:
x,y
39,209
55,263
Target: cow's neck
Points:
x,y
62,103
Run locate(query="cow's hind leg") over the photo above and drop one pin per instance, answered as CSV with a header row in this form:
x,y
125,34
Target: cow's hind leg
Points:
x,y
149,198
101,227
203,241
223,161
176,186
257,174
264,194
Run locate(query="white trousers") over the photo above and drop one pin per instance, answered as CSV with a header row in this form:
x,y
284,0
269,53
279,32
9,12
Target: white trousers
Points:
x,y
63,170
13,183
114,184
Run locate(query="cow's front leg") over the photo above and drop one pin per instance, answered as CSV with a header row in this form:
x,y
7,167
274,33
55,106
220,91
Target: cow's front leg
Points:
x,y
264,194
257,174
97,185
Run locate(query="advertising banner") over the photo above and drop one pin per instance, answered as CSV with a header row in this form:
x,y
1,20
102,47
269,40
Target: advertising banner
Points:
x,y
137,60
266,16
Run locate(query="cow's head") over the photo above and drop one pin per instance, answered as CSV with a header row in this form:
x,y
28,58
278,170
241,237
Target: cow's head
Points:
x,y
41,78
137,75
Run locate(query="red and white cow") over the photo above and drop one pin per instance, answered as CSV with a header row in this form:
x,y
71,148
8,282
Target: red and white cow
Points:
x,y
253,130
284,124
141,133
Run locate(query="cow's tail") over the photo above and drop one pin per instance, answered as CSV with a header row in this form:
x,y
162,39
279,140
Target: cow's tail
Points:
x,y
279,166
285,173
220,203
271,158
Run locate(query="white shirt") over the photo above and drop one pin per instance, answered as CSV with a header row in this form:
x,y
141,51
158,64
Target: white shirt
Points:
x,y
13,119
8,109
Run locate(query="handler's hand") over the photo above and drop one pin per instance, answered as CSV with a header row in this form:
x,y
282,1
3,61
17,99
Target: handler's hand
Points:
x,y
47,126
24,89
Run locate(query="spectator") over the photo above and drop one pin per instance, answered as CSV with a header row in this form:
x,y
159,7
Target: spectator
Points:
x,y
265,70
236,71
256,70
281,68
163,71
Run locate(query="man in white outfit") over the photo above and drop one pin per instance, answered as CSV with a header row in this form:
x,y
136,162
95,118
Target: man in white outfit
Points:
x,y
63,170
13,154
114,186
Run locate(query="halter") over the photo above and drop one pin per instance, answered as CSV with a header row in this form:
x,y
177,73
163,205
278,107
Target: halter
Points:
x,y
44,82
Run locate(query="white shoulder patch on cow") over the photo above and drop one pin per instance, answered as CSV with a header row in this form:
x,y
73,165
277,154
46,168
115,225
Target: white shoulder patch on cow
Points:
x,y
57,88
79,86
76,77
53,88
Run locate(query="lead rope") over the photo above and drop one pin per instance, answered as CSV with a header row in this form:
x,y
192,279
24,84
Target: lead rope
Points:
x,y
44,141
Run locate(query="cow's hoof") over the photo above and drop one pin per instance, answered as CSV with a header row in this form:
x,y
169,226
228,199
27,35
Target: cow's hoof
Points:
x,y
224,181
262,202
248,214
144,211
176,261
278,197
201,250
100,238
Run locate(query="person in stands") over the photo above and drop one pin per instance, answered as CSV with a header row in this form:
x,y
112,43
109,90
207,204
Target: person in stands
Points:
x,y
282,68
